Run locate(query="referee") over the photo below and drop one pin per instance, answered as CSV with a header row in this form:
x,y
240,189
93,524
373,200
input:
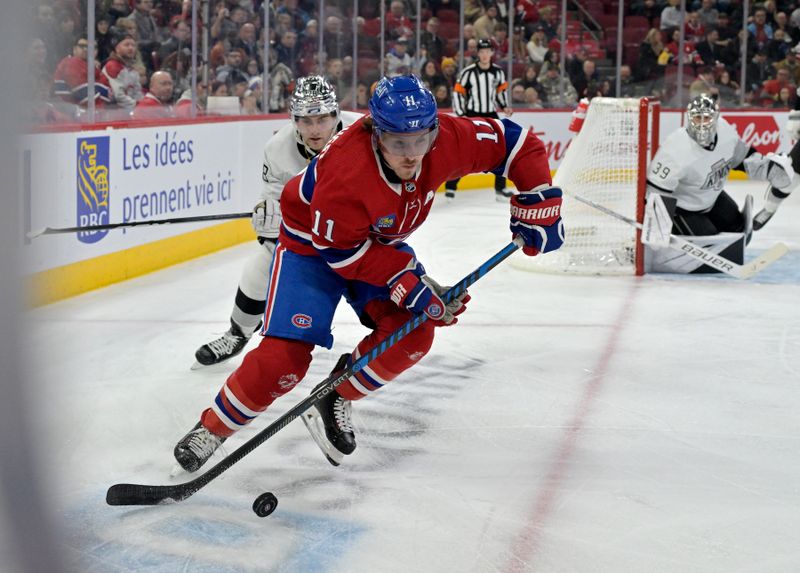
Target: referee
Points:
x,y
480,90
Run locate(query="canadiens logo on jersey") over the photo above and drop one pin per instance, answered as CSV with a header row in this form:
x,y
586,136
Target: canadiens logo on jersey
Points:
x,y
386,222
92,186
301,320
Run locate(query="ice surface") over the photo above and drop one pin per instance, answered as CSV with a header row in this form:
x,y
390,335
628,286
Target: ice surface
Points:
x,y
565,424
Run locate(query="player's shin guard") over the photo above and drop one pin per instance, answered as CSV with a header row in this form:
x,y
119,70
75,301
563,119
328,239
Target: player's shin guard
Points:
x,y
267,372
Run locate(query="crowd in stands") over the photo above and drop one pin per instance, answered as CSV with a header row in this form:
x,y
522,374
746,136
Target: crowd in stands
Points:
x,y
143,52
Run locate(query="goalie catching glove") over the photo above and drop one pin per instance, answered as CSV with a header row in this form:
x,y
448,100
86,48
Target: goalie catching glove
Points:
x,y
415,291
536,218
772,167
266,219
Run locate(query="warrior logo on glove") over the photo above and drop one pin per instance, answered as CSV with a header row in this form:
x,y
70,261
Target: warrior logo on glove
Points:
x,y
536,218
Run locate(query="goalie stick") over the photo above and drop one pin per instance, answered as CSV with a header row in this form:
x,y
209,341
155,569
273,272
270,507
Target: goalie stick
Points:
x,y
135,494
707,257
59,230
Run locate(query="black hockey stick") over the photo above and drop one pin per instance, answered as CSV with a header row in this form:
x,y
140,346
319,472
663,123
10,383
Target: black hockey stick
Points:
x,y
135,494
92,228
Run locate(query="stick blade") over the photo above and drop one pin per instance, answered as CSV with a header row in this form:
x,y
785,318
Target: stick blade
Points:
x,y
762,262
36,233
135,494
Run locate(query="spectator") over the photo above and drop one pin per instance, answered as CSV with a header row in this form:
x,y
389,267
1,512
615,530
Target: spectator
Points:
x,y
528,15
46,30
528,79
693,28
219,89
649,9
470,51
398,24
102,37
500,42
779,46
65,39
69,80
785,99
782,23
671,15
588,77
119,9
231,72
472,10
287,49
532,100
334,73
771,89
362,96
179,40
430,75
398,62
252,69
551,84
791,63
147,32
759,29
227,22
549,22
430,40
120,71
709,15
710,50
519,51
443,96
335,42
703,84
627,86
246,42
758,71
690,55
449,73
485,25
179,65
575,63
517,95
537,45
157,102
651,64
551,58
299,17
728,90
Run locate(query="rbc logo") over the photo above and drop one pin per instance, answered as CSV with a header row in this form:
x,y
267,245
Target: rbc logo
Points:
x,y
92,186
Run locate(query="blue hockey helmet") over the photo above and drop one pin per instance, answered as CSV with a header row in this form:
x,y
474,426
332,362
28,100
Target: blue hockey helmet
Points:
x,y
402,105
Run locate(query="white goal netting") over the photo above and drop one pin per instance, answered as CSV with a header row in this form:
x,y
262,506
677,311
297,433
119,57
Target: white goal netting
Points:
x,y
602,164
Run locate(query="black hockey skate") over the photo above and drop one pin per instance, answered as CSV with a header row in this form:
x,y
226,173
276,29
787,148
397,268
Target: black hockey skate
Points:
x,y
196,447
226,346
329,423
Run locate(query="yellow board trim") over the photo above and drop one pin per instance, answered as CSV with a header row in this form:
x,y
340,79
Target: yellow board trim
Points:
x,y
70,280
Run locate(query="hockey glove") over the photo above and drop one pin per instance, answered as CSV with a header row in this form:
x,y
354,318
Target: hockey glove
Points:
x,y
536,217
415,291
266,218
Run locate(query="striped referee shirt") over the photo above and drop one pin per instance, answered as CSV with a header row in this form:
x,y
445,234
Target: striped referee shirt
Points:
x,y
480,92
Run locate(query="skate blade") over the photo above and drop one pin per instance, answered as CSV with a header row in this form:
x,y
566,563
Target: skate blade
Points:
x,y
197,366
313,423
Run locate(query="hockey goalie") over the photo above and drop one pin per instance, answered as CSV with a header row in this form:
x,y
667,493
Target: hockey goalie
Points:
x,y
686,195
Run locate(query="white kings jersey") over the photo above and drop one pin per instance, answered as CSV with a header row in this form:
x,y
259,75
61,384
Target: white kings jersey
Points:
x,y
692,174
284,157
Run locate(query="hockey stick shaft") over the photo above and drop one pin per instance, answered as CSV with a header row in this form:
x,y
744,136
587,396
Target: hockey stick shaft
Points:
x,y
135,494
107,226
701,254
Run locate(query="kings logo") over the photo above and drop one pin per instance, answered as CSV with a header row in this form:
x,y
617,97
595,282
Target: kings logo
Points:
x,y
92,186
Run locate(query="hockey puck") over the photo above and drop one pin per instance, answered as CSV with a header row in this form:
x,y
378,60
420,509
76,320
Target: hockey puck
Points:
x,y
265,504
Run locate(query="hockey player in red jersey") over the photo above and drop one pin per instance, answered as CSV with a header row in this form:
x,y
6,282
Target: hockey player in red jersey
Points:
x,y
345,220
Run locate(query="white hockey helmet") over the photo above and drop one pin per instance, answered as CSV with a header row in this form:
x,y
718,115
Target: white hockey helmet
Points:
x,y
312,95
702,114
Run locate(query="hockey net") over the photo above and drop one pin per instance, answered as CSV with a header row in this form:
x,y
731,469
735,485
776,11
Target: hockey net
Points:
x,y
606,163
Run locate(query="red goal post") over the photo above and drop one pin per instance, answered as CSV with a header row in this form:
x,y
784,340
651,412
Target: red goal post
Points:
x,y
606,163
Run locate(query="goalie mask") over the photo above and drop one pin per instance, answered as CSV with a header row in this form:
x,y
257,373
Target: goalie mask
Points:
x,y
314,98
702,114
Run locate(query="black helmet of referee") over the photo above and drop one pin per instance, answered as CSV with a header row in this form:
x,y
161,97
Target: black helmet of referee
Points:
x,y
485,44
